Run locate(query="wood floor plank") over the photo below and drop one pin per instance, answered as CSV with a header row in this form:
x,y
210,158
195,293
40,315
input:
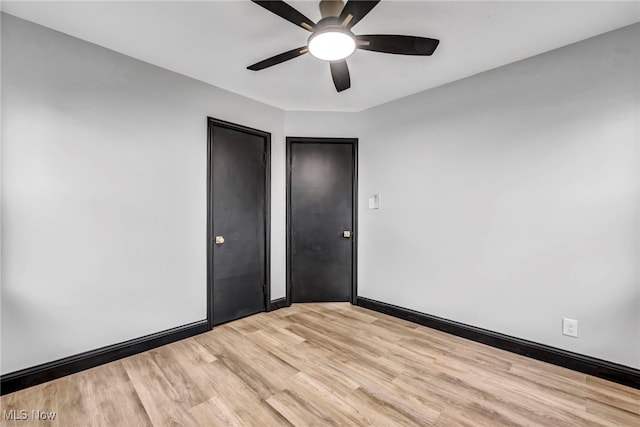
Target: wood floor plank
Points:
x,y
614,395
523,403
260,369
457,400
120,405
178,376
244,401
298,411
613,415
334,406
215,412
385,405
190,352
281,346
161,402
328,364
79,400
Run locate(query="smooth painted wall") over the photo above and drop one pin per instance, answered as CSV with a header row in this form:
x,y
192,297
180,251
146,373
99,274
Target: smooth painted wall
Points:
x,y
104,194
510,199
322,124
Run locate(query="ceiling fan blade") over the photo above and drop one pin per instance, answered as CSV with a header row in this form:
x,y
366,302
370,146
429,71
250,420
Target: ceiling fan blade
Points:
x,y
287,12
402,45
275,60
354,11
340,74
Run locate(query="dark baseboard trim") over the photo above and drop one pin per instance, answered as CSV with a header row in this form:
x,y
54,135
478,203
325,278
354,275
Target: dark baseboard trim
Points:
x,y
588,365
277,304
35,375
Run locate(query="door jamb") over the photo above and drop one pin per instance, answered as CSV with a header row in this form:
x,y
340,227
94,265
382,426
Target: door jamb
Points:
x,y
211,122
354,182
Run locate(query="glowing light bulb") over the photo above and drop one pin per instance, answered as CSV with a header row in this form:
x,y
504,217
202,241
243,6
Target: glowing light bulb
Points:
x,y
331,45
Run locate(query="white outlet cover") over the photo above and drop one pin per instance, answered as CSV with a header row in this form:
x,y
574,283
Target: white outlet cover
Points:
x,y
570,327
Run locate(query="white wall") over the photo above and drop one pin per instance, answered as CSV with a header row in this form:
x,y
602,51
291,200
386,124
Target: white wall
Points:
x,y
511,199
104,194
322,124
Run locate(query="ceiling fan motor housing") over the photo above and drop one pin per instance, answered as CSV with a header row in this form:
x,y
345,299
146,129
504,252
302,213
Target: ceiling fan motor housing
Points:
x,y
331,8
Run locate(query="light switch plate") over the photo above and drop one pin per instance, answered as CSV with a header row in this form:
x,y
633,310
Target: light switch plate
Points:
x,y
374,201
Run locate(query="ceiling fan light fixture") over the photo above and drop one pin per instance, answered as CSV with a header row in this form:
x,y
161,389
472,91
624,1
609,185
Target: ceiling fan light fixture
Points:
x,y
332,44
332,40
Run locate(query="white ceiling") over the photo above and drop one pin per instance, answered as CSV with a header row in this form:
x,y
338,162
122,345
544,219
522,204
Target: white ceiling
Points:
x,y
214,41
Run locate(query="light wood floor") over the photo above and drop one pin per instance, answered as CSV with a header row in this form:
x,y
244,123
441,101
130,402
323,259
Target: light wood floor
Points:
x,y
323,365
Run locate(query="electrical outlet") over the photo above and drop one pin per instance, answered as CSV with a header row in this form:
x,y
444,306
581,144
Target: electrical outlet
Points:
x,y
570,327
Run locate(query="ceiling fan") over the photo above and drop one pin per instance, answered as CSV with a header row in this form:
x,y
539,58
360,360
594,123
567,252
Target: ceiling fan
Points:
x,y
331,38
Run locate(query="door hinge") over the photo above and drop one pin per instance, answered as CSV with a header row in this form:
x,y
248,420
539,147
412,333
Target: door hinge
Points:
x,y
264,157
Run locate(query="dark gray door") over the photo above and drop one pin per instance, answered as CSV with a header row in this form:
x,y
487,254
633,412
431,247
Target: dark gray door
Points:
x,y
238,215
321,231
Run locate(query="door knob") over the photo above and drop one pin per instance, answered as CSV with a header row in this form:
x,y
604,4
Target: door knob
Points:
x,y
346,234
219,240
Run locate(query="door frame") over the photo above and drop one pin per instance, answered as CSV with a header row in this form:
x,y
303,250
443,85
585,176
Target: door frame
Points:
x,y
211,122
354,183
